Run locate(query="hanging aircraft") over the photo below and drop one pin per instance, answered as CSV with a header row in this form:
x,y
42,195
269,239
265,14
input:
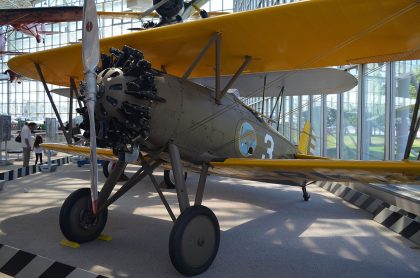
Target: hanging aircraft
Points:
x,y
166,11
31,21
142,106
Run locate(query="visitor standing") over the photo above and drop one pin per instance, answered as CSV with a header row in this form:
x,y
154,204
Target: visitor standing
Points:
x,y
26,141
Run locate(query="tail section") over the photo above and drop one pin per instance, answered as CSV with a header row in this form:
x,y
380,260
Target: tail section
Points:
x,y
306,146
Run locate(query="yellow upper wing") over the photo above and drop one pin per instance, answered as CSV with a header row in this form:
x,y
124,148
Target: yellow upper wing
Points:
x,y
297,171
306,34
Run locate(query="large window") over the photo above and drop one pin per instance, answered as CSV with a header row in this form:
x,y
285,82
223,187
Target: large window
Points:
x,y
374,116
348,126
406,83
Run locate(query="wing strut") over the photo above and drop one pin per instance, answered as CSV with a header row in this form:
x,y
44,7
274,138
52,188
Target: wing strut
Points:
x,y
41,76
214,37
248,60
74,88
414,128
216,40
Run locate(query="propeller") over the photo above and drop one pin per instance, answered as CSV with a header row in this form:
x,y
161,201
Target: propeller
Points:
x,y
90,53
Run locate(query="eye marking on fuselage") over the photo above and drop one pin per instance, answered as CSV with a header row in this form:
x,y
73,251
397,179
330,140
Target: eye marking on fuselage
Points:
x,y
247,139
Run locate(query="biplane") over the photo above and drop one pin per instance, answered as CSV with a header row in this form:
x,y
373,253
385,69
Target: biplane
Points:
x,y
31,21
142,106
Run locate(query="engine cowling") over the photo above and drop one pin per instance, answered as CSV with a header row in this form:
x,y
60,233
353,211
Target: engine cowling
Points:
x,y
125,94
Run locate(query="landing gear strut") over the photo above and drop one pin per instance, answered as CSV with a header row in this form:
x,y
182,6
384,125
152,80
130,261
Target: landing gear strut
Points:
x,y
195,235
306,195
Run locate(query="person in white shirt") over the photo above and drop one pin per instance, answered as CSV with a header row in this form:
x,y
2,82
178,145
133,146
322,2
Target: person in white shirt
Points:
x,y
26,141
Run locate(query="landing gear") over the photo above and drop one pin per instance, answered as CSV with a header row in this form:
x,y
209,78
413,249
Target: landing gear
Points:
x,y
306,195
77,221
108,166
194,240
195,235
169,179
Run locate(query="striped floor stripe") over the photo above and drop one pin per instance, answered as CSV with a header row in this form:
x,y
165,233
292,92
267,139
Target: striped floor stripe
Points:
x,y
392,217
21,264
25,171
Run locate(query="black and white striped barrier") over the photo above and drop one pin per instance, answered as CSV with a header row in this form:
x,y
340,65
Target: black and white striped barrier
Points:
x,y
18,263
25,171
396,219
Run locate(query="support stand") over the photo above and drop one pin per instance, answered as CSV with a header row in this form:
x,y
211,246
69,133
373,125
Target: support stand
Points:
x,y
49,167
4,160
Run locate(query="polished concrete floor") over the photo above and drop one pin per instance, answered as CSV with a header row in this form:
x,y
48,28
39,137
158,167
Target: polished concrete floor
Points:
x,y
267,230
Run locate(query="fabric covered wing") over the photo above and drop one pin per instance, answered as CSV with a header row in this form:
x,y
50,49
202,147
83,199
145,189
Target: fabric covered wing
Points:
x,y
298,171
301,35
104,154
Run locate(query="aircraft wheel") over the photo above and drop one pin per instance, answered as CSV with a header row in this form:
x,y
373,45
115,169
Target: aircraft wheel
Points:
x,y
194,240
77,223
107,167
169,179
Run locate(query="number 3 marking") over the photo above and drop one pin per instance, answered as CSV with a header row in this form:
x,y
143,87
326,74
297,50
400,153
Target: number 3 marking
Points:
x,y
270,147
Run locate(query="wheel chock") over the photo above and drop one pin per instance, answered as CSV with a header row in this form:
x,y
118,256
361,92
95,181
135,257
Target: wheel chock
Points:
x,y
105,237
68,243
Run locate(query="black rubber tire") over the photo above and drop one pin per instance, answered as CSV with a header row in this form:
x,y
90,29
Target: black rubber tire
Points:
x,y
105,168
168,180
76,224
194,240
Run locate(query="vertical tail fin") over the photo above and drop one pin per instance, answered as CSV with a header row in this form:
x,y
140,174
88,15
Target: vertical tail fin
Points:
x,y
305,146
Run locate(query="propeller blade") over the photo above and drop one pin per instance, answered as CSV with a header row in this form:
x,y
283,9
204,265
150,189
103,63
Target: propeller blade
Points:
x,y
90,51
90,36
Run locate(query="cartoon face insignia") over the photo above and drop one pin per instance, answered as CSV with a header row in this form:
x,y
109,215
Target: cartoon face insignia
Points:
x,y
247,139
89,26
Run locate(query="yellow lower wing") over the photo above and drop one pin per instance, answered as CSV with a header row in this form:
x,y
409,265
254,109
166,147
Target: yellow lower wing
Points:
x,y
291,171
104,154
298,171
307,34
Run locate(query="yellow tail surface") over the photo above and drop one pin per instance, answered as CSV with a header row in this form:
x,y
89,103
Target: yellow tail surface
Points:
x,y
305,139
